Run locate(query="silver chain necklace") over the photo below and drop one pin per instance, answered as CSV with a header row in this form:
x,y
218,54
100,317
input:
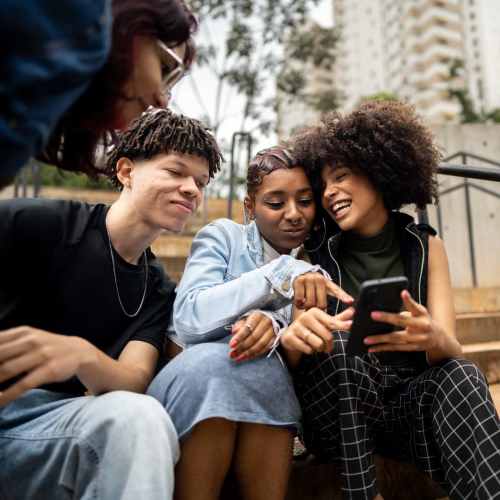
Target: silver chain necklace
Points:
x,y
133,315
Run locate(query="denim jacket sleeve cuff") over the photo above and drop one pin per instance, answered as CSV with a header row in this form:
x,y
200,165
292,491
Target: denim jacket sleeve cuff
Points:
x,y
283,274
277,320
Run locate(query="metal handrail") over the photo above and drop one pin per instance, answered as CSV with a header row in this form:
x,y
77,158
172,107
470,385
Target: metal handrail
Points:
x,y
462,154
466,172
482,173
246,136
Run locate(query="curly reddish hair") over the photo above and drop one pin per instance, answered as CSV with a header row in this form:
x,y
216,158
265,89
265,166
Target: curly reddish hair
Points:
x,y
385,141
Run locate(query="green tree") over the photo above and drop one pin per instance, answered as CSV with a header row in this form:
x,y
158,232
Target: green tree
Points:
x,y
468,114
263,44
380,96
251,49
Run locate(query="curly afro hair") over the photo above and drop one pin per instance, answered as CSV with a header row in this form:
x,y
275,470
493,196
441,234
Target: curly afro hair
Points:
x,y
162,131
383,140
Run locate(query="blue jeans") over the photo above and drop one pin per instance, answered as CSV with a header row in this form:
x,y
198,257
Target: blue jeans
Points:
x,y
119,445
49,52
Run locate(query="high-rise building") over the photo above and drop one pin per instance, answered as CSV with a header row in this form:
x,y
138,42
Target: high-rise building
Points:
x,y
405,47
409,47
482,52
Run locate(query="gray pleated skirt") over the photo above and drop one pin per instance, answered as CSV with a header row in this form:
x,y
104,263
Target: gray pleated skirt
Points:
x,y
203,382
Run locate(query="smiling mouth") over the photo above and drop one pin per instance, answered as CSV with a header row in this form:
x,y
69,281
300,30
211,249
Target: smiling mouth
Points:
x,y
295,231
186,207
340,208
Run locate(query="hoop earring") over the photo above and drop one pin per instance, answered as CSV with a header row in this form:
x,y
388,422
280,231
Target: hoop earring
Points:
x,y
322,239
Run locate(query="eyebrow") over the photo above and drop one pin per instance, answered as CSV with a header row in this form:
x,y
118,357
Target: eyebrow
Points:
x,y
281,192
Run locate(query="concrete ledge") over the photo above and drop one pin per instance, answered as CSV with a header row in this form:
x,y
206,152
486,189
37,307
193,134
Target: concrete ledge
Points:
x,y
487,356
482,299
478,327
312,481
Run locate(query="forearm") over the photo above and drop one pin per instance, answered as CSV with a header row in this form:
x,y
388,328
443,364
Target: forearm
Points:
x,y
202,309
447,347
292,358
100,373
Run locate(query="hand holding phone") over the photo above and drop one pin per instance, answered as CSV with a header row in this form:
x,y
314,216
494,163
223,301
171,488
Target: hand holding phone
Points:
x,y
374,295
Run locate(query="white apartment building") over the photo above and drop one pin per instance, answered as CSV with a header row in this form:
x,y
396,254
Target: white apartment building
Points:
x,y
406,47
482,46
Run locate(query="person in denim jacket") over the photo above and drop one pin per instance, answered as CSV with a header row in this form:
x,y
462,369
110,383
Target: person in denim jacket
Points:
x,y
72,71
230,403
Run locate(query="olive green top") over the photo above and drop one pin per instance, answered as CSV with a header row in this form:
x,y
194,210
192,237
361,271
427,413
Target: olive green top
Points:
x,y
372,258
366,258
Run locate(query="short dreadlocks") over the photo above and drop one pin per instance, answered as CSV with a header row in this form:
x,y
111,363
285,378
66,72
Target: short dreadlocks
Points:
x,y
162,131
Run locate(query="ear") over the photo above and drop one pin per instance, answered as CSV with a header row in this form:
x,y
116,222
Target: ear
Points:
x,y
249,206
124,168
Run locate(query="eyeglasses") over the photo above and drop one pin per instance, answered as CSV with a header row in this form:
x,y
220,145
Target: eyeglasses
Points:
x,y
172,66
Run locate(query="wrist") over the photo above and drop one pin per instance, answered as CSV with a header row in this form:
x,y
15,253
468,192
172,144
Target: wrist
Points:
x,y
88,355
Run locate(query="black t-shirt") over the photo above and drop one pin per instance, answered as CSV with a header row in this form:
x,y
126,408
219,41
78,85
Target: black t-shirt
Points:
x,y
56,274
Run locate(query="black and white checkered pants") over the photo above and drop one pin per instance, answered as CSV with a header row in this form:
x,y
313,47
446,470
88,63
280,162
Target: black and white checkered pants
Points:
x,y
442,419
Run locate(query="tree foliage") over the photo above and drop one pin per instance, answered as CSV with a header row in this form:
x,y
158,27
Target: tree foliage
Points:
x,y
468,113
265,43
384,95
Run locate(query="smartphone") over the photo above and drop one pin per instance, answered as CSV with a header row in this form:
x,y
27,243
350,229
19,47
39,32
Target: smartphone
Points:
x,y
374,295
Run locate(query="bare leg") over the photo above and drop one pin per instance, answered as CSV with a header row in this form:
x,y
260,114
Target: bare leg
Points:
x,y
206,456
262,461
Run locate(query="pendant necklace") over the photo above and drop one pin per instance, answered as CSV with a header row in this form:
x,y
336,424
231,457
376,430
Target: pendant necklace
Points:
x,y
111,252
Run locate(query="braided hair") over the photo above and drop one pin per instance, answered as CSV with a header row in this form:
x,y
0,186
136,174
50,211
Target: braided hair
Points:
x,y
162,131
266,161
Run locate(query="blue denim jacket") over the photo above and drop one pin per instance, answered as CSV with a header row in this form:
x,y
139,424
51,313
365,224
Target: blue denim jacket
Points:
x,y
225,277
49,51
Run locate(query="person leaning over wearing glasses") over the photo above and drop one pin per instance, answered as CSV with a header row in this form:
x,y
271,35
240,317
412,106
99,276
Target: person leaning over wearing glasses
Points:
x,y
232,405
84,306
79,70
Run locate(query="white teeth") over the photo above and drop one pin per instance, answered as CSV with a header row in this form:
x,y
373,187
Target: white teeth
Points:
x,y
341,204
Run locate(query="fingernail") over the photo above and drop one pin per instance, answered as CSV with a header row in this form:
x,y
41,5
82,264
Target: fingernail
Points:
x,y
241,357
233,342
376,315
233,354
367,341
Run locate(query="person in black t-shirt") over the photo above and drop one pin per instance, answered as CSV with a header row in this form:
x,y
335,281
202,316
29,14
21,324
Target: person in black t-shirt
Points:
x,y
84,306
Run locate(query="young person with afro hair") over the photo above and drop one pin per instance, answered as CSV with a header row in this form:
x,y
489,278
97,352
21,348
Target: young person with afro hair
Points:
x,y
411,396
84,306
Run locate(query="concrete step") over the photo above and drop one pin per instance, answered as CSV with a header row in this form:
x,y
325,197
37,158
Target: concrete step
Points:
x,y
477,300
313,481
478,327
487,356
495,393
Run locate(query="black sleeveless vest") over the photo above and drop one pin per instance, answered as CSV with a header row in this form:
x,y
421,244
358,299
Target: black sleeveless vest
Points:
x,y
414,243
